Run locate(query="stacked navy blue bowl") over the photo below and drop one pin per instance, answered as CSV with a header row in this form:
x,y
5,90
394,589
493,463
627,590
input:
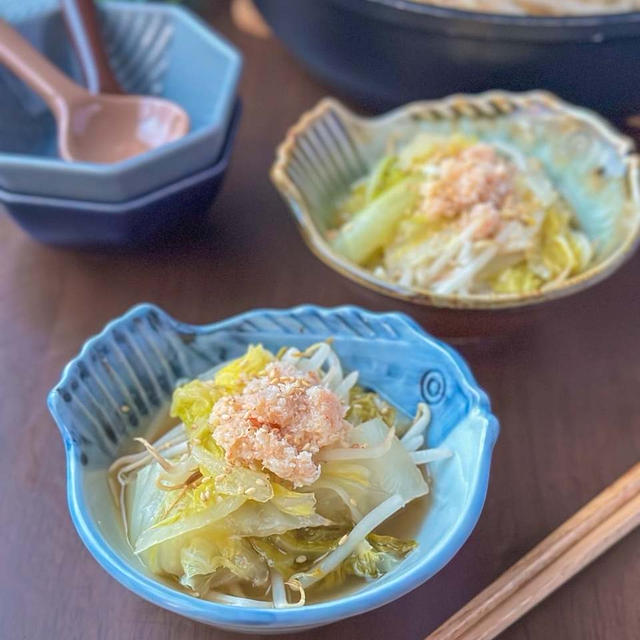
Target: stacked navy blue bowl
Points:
x,y
154,49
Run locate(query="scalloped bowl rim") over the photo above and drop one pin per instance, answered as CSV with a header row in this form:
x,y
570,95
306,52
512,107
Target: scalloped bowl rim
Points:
x,y
322,250
253,618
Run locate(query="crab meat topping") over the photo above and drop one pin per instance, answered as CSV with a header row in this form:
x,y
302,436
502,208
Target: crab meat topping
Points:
x,y
474,180
279,421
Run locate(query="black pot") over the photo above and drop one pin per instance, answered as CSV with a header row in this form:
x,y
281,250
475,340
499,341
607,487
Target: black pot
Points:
x,y
388,52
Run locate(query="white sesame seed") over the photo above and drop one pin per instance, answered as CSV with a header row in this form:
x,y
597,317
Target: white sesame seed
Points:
x,y
342,540
301,559
260,482
250,491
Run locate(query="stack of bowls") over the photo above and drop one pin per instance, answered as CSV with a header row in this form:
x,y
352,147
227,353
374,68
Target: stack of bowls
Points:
x,y
154,49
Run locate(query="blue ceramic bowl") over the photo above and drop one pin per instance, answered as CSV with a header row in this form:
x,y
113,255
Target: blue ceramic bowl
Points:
x,y
591,165
135,222
123,379
157,49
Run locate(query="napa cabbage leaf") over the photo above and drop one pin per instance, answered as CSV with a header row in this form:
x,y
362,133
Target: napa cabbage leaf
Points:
x,y
365,482
373,557
193,401
234,375
373,227
366,405
201,559
385,174
298,550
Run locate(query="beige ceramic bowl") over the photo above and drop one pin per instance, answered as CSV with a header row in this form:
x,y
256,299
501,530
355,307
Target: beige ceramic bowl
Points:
x,y
591,164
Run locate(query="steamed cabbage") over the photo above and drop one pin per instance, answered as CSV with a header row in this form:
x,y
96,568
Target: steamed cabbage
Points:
x,y
220,528
453,215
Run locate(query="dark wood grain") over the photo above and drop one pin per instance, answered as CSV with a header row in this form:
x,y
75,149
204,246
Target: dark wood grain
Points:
x,y
565,385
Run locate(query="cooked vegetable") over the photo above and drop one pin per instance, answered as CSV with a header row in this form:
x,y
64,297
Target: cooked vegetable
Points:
x,y
374,226
224,502
453,215
299,550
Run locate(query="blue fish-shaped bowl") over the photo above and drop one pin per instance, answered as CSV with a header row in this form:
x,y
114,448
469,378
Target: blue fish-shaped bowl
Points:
x,y
589,163
123,380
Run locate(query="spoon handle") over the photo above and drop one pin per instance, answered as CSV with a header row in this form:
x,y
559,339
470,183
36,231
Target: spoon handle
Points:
x,y
53,86
82,23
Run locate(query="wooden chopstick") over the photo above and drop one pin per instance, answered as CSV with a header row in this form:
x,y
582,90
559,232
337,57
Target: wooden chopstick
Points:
x,y
597,526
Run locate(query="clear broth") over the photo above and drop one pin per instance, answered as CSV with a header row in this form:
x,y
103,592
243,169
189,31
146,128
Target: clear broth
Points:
x,y
404,524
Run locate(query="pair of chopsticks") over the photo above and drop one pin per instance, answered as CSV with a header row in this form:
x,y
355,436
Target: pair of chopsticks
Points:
x,y
601,523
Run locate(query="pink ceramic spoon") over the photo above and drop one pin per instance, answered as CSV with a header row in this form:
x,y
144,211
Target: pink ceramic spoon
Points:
x,y
81,18
97,128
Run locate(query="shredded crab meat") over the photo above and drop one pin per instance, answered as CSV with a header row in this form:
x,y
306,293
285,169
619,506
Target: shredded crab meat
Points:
x,y
476,182
279,421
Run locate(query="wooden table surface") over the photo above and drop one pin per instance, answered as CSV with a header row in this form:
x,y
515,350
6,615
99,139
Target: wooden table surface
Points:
x,y
565,386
